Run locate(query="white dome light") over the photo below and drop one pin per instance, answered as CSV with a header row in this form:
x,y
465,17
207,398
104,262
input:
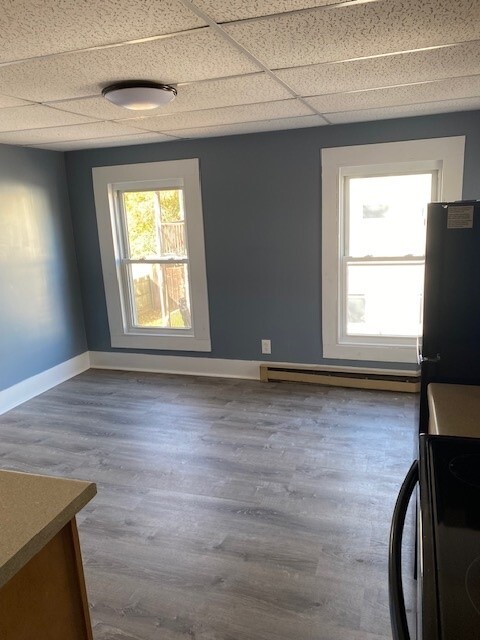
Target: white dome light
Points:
x,y
139,96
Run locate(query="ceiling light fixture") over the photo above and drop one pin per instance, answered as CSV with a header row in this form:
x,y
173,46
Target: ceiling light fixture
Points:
x,y
139,95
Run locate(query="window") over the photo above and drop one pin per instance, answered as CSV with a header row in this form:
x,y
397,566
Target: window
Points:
x,y
150,228
383,252
373,224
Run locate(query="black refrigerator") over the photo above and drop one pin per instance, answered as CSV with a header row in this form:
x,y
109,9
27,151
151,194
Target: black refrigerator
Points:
x,y
450,347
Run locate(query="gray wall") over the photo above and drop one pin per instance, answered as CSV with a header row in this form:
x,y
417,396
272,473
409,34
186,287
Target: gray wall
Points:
x,y
41,318
261,204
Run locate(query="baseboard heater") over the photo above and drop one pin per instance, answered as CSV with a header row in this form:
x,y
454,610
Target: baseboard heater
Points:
x,y
363,380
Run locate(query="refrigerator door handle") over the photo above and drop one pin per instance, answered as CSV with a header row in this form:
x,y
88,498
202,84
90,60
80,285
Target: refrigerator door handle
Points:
x,y
398,615
419,349
422,358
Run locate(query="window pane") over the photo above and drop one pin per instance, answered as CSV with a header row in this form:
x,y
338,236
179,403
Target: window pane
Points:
x,y
386,215
384,300
161,295
155,224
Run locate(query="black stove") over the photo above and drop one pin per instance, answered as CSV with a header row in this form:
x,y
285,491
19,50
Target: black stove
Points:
x,y
449,575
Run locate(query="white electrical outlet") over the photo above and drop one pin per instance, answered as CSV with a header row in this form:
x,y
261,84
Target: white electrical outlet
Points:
x,y
266,346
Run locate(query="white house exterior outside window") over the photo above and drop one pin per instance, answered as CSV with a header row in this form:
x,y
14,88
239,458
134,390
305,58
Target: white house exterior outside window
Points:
x,y
373,243
150,227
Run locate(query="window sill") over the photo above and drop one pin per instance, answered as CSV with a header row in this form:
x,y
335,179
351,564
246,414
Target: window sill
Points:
x,y
161,342
372,353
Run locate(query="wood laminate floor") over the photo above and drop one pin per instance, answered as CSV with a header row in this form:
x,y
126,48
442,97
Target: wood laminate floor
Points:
x,y
226,509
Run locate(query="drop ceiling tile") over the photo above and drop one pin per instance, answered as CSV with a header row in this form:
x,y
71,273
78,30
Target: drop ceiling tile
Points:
x,y
199,55
29,29
250,127
452,88
227,115
418,66
197,95
222,11
36,116
6,102
59,134
367,115
342,33
97,143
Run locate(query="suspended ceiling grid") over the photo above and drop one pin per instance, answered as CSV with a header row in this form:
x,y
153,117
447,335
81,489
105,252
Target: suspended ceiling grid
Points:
x,y
240,66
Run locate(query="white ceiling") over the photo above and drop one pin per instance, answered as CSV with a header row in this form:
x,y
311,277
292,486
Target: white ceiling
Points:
x,y
240,66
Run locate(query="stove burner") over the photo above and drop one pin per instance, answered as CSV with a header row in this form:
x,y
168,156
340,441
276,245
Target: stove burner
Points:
x,y
472,584
467,469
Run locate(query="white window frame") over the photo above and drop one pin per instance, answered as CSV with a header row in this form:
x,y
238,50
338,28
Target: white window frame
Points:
x,y
442,155
107,181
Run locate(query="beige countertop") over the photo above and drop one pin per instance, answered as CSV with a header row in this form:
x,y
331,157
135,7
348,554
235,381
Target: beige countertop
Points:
x,y
33,509
454,409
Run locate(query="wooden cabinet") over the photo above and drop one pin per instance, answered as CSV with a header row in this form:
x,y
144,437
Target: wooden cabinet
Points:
x,y
42,593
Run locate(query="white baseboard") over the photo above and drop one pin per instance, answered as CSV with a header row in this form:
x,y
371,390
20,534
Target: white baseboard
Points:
x,y
215,367
182,365
34,386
